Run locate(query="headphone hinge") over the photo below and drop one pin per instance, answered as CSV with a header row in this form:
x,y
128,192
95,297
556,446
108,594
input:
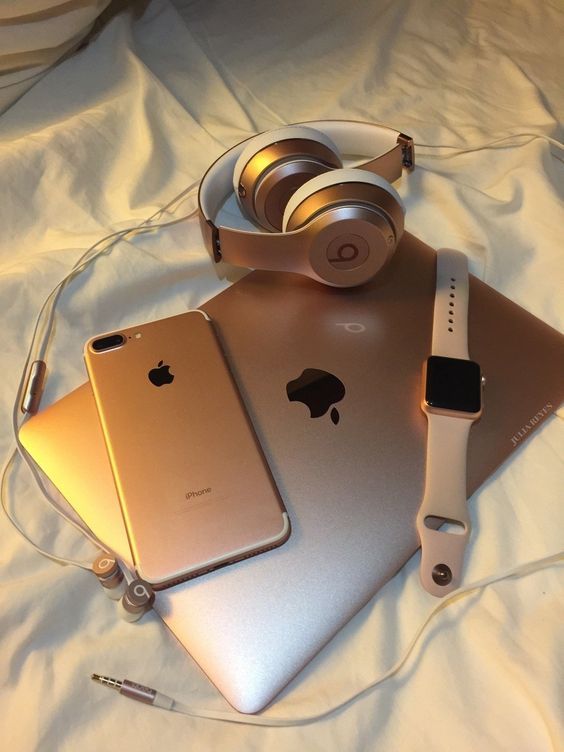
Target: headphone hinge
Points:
x,y
214,241
407,151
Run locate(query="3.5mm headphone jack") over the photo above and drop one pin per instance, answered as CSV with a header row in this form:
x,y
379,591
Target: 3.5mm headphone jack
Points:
x,y
136,691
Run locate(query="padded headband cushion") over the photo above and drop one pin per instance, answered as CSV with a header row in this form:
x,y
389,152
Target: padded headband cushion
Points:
x,y
256,144
334,177
358,139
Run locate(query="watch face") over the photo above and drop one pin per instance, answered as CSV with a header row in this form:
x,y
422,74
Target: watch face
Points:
x,y
453,384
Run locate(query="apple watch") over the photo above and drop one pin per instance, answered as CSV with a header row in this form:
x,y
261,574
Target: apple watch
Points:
x,y
452,401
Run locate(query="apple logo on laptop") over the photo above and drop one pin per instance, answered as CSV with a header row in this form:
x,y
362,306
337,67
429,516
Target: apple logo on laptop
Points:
x,y
318,390
160,375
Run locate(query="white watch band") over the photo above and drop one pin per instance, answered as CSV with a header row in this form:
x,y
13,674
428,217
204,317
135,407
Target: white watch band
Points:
x,y
445,497
450,317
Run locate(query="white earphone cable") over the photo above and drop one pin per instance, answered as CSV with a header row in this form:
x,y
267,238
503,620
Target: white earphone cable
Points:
x,y
37,350
499,143
168,703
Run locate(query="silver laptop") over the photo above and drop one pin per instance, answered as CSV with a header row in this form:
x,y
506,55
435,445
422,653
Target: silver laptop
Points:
x,y
332,381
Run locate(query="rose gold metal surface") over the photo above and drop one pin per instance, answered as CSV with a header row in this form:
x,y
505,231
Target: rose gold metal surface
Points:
x,y
275,189
314,250
274,251
388,165
271,176
349,245
363,194
166,443
311,245
391,164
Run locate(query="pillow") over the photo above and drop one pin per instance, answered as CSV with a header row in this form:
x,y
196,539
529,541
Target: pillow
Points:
x,y
35,35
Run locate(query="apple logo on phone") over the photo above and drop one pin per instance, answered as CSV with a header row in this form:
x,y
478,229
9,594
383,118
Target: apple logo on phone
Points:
x,y
161,374
318,390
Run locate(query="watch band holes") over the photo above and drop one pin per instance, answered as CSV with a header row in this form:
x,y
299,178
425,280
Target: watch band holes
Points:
x,y
453,287
450,329
452,279
451,321
452,295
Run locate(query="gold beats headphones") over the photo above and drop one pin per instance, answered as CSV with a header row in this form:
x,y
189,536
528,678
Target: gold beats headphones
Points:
x,y
338,226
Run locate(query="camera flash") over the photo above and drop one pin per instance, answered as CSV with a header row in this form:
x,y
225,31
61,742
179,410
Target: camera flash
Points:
x,y
138,335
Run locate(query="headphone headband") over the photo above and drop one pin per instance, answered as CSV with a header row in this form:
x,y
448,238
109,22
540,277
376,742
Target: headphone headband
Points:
x,y
392,149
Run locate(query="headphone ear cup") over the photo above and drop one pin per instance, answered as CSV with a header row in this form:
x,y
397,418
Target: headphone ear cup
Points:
x,y
274,165
354,220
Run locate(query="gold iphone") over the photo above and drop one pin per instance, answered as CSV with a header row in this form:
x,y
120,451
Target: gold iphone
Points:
x,y
195,489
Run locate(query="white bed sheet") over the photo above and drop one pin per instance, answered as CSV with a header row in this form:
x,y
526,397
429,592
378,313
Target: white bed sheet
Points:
x,y
112,134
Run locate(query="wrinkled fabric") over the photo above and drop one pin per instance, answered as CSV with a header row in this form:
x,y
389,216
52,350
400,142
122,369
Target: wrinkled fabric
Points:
x,y
115,131
35,35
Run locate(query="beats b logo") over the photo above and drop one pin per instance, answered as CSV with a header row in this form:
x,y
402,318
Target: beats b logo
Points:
x,y
347,251
141,591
